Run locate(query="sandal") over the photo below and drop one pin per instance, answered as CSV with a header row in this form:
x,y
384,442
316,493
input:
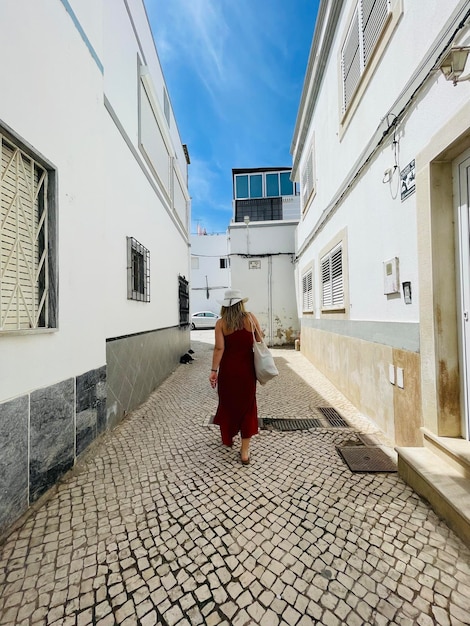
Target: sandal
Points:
x,y
244,461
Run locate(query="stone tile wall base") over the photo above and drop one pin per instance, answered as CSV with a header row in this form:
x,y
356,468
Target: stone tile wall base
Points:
x,y
42,434
138,364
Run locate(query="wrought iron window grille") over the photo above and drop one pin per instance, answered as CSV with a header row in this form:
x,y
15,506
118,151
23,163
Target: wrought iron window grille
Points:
x,y
138,271
183,297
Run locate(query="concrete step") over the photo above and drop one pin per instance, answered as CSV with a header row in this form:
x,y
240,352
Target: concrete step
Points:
x,y
451,449
446,488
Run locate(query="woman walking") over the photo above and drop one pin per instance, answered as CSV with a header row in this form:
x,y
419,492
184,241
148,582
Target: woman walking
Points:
x,y
233,372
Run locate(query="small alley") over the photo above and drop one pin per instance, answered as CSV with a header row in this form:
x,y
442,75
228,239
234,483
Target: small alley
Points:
x,y
160,525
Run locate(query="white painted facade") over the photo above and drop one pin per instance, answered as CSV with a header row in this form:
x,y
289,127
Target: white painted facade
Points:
x,y
398,360
266,211
262,267
210,271
84,94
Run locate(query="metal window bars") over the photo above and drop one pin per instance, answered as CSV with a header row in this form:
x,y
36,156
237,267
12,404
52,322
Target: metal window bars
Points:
x,y
138,271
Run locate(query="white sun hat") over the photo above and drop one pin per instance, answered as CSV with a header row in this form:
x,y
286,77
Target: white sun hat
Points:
x,y
231,297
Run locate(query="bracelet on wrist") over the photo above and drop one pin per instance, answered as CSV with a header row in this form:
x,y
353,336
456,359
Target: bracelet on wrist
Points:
x,y
214,371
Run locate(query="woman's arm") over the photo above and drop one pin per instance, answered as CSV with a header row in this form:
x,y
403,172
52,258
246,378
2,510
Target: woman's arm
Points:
x,y
218,352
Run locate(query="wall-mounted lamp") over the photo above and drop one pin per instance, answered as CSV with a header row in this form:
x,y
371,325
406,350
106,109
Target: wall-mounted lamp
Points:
x,y
246,219
453,64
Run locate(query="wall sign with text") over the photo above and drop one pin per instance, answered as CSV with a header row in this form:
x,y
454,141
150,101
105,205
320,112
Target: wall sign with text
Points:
x,y
407,178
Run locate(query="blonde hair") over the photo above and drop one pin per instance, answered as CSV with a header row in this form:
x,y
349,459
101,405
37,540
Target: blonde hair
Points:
x,y
233,316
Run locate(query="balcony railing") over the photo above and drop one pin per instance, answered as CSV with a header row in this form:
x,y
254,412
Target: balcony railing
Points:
x,y
258,209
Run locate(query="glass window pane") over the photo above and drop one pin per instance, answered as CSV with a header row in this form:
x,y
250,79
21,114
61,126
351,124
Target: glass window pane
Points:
x,y
256,186
272,185
287,188
241,187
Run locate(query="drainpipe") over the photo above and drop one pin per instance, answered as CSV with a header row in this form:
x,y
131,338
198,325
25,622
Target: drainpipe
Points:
x,y
270,300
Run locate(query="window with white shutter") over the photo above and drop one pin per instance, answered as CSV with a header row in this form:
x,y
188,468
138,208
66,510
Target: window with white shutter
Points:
x,y
308,179
365,29
307,291
332,279
27,298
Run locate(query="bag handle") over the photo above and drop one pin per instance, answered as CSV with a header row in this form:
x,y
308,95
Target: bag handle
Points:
x,y
254,329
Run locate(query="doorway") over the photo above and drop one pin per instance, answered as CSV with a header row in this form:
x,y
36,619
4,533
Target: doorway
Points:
x,y
461,174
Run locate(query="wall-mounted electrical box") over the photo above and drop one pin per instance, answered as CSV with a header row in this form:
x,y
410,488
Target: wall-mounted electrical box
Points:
x,y
391,278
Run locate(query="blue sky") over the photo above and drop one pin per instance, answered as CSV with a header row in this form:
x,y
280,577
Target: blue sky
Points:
x,y
234,71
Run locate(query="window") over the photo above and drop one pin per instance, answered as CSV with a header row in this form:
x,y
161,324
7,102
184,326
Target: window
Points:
x,y
183,298
365,29
272,185
138,271
166,106
28,290
307,180
332,279
287,186
264,209
256,186
223,263
264,185
307,291
241,186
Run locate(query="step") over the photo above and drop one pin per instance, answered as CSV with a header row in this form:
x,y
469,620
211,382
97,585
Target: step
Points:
x,y
454,450
443,486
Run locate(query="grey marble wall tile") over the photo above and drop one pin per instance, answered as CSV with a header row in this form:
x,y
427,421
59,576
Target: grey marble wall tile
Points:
x,y
86,427
136,365
13,460
51,435
86,390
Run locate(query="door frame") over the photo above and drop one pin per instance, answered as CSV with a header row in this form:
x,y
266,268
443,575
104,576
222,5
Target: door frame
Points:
x,y
461,179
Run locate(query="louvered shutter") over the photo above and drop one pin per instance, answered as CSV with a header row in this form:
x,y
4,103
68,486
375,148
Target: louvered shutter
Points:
x,y
374,16
337,292
332,279
326,283
23,241
307,179
307,292
351,61
361,40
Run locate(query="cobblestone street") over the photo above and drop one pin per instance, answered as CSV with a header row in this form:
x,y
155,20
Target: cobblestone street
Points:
x,y
159,524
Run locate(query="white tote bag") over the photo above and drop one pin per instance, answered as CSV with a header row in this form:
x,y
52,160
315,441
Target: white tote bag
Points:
x,y
265,367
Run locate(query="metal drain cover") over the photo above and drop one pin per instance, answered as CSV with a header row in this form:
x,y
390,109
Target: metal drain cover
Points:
x,y
333,417
363,459
291,424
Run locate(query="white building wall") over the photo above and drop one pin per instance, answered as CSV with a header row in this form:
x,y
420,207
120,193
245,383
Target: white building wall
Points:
x,y
52,109
355,347
208,280
71,94
261,261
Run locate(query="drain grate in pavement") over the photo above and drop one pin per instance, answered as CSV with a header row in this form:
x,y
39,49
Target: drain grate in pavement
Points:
x,y
291,424
333,417
361,459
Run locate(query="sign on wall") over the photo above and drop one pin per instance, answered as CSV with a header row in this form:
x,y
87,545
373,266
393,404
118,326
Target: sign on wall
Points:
x,y
407,178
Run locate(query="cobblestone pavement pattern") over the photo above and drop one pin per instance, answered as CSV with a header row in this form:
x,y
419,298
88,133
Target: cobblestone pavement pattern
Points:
x,y
161,525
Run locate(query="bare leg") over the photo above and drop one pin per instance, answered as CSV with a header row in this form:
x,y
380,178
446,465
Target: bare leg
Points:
x,y
245,450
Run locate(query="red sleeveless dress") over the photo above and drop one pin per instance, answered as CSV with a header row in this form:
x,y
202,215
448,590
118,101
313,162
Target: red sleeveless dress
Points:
x,y
237,411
